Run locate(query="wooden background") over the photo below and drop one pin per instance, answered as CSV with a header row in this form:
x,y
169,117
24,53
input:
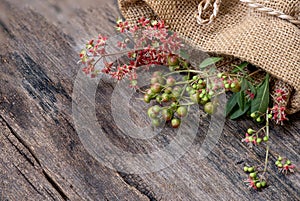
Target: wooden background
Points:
x,y
41,156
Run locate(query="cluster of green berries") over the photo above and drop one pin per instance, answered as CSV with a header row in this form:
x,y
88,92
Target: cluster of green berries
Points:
x,y
162,90
255,137
167,95
258,117
168,92
229,83
172,114
197,90
254,181
284,165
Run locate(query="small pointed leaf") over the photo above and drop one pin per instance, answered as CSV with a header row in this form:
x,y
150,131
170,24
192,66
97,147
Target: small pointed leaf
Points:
x,y
238,113
231,103
209,61
261,101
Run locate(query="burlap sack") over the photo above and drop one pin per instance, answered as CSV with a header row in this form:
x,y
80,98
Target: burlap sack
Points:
x,y
264,38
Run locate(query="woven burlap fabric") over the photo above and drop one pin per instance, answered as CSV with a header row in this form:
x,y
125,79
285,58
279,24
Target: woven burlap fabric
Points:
x,y
266,41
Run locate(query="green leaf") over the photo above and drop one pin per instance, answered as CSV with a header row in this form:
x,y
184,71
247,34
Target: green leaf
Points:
x,y
240,112
241,100
231,103
183,54
261,101
252,88
244,84
209,61
240,67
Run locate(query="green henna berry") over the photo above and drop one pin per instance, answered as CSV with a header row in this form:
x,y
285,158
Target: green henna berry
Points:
x,y
263,183
156,122
253,115
170,81
175,123
258,119
173,106
252,174
288,162
165,97
250,169
156,109
173,60
258,140
167,114
220,75
158,99
182,111
195,77
147,98
209,107
155,88
250,131
151,114
205,98
168,90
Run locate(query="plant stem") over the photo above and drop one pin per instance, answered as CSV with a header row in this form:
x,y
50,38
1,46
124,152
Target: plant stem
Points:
x,y
116,53
251,74
268,145
184,87
263,128
188,104
185,71
184,82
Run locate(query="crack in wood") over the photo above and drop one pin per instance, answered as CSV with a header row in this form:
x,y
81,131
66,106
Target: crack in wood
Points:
x,y
6,30
21,152
136,182
21,140
28,181
49,193
48,177
55,185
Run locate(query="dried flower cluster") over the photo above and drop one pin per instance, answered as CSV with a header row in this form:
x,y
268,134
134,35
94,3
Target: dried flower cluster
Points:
x,y
153,43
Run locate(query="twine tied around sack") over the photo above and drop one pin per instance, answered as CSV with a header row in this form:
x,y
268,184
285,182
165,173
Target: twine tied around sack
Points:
x,y
206,4
203,6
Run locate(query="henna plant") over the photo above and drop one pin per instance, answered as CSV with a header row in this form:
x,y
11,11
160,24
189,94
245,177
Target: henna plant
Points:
x,y
154,44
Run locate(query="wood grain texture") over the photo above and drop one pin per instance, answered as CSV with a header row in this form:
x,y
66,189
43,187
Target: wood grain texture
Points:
x,y
41,155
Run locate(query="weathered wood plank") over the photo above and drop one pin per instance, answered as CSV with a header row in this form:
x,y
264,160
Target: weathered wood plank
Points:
x,y
42,157
36,104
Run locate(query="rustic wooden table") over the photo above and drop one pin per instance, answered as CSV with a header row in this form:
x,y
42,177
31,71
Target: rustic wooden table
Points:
x,y
41,155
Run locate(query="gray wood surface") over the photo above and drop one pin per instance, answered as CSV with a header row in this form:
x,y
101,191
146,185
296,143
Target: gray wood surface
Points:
x,y
41,155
